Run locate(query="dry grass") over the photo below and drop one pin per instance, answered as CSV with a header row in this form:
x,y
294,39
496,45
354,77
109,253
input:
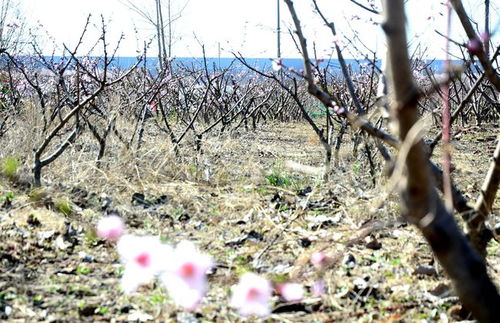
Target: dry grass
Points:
x,y
214,199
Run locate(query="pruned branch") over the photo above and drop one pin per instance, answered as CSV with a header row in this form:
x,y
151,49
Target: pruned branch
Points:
x,y
491,74
358,122
489,189
463,102
343,66
365,7
422,205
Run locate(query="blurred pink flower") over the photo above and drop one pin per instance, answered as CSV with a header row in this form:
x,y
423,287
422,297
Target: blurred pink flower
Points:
x,y
144,258
318,258
185,275
251,295
291,292
151,106
337,110
276,64
318,288
110,228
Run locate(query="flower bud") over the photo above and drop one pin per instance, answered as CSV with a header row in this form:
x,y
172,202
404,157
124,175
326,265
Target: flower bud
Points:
x,y
474,46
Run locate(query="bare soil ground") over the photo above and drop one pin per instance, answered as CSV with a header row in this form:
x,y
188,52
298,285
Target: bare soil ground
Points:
x,y
240,203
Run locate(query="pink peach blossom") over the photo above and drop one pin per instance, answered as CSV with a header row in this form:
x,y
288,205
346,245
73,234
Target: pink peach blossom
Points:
x,y
143,257
110,228
318,258
474,46
318,288
185,275
251,295
338,110
291,292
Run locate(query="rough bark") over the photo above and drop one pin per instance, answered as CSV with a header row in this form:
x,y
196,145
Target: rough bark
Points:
x,y
422,206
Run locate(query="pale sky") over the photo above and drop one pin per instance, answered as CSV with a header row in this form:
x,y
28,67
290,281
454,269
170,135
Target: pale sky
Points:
x,y
246,26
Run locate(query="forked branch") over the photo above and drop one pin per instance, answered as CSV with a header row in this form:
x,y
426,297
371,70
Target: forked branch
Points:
x,y
421,203
491,74
459,201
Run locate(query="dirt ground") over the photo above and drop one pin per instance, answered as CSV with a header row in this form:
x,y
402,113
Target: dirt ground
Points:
x,y
240,202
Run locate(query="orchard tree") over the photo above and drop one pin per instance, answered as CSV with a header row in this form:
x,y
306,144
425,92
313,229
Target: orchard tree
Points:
x,y
162,24
416,176
13,29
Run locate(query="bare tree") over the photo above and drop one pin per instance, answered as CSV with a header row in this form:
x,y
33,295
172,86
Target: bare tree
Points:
x,y
481,51
67,101
422,205
13,31
156,19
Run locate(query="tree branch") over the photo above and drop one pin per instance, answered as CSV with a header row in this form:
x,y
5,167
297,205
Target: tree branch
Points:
x,y
491,74
422,204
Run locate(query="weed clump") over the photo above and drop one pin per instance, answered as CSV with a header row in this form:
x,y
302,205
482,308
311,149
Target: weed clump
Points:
x,y
7,196
37,194
278,180
64,206
10,166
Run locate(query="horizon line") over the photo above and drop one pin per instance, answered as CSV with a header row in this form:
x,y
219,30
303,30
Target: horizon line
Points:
x,y
230,57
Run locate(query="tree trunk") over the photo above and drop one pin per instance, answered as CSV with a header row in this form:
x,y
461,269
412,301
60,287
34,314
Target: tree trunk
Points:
x,y
421,203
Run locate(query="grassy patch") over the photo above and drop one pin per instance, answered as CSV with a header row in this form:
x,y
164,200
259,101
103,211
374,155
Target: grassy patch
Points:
x,y
102,310
64,206
279,178
7,196
37,194
155,299
10,166
83,270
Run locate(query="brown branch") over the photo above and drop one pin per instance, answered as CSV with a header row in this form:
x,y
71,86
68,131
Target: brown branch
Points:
x,y
421,203
39,162
459,201
464,102
343,66
471,33
365,7
460,107
195,115
490,186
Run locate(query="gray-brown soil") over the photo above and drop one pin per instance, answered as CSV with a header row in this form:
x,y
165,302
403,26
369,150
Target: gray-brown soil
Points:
x,y
239,202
